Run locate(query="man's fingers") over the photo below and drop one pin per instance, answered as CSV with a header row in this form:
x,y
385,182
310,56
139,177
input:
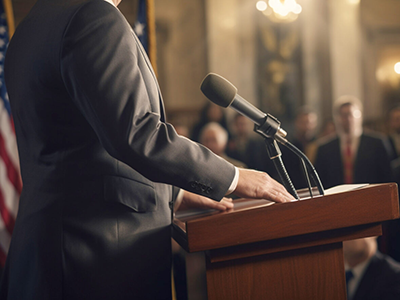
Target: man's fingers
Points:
x,y
255,184
191,200
282,196
223,205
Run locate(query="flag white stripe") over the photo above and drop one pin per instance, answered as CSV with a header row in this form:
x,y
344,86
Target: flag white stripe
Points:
x,y
11,196
9,136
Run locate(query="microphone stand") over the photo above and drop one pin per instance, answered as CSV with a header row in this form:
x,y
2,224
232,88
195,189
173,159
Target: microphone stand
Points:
x,y
313,173
275,155
272,132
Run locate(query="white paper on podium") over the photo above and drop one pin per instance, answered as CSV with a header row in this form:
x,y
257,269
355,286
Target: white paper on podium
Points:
x,y
344,188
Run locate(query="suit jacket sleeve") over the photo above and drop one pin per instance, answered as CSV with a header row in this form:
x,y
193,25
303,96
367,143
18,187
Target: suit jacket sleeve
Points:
x,y
111,82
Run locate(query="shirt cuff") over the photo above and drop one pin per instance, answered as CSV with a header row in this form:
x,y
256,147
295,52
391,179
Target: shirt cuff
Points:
x,y
234,183
178,199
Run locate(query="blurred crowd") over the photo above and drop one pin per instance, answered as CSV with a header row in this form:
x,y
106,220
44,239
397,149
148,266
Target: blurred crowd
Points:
x,y
341,148
343,151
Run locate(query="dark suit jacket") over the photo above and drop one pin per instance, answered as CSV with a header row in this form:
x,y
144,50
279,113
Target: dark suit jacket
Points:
x,y
371,164
392,148
381,280
97,159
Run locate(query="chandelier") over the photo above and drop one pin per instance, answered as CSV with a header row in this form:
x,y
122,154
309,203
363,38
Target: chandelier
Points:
x,y
281,11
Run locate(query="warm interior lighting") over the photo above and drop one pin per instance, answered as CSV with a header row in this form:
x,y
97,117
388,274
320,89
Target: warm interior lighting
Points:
x,y
354,1
397,68
297,9
261,5
280,10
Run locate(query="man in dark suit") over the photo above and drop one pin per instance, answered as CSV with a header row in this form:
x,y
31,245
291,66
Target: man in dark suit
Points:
x,y
352,156
370,275
98,160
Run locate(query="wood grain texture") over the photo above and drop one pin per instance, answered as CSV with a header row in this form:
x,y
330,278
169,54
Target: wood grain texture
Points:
x,y
296,242
302,274
371,204
285,251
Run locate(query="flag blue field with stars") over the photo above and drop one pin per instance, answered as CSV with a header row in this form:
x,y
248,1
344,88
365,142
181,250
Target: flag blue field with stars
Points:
x,y
10,178
3,48
141,25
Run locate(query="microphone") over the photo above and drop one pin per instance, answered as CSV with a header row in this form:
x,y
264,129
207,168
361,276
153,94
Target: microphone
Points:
x,y
223,93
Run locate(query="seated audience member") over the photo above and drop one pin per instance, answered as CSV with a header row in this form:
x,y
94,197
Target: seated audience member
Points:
x,y
210,113
370,275
215,138
352,156
242,133
392,228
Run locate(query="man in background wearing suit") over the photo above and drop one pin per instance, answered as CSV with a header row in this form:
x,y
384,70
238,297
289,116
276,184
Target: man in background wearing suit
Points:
x,y
370,275
99,161
352,156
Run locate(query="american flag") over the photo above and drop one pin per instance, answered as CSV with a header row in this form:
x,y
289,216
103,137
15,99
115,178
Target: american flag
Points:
x,y
141,25
145,29
10,179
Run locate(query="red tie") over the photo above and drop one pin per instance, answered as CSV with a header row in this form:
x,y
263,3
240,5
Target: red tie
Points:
x,y
348,163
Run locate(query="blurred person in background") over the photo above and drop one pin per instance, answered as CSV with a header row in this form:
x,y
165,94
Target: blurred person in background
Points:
x,y
210,113
352,156
328,128
370,275
242,133
304,135
392,228
305,126
215,138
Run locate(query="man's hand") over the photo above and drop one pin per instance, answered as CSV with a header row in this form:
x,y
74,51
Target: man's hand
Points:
x,y
191,200
259,185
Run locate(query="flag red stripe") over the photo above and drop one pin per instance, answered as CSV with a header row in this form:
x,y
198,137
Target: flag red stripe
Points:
x,y
3,257
12,173
12,124
8,219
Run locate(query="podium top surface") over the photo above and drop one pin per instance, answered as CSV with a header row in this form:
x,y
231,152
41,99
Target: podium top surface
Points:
x,y
260,220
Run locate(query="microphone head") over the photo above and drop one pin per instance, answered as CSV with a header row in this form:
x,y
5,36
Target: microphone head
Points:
x,y
218,89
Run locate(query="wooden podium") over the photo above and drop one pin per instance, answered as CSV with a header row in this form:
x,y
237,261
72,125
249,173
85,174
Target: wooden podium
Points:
x,y
282,251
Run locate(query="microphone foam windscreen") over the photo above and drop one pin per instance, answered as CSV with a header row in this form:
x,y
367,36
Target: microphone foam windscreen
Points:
x,y
218,90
